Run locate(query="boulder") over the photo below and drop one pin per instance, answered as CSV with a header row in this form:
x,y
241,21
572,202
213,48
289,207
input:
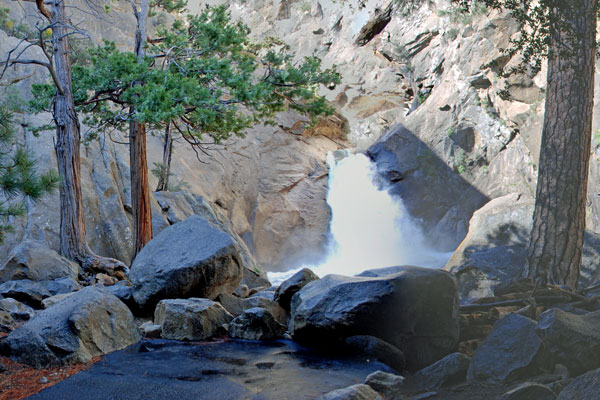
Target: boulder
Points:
x,y
494,252
529,391
572,340
26,291
371,347
385,383
33,293
450,370
289,287
190,319
89,323
584,387
416,310
512,351
150,330
256,324
32,259
237,306
266,294
50,301
354,392
123,291
192,258
16,309
7,322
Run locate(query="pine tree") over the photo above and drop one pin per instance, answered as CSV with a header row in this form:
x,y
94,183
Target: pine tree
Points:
x,y
564,33
19,178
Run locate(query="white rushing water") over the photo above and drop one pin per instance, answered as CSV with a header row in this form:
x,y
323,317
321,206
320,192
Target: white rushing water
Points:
x,y
369,228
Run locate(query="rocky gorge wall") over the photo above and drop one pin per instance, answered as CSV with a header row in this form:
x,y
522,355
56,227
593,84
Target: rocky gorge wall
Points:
x,y
459,147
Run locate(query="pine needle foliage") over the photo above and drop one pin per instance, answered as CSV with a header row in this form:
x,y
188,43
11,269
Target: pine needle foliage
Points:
x,y
19,178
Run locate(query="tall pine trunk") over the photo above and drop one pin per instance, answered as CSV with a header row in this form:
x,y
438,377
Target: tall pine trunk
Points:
x,y
73,237
140,190
165,170
555,248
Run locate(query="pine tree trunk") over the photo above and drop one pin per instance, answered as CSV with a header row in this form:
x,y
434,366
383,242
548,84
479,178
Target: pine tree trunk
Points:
x,y
165,170
73,238
555,248
140,189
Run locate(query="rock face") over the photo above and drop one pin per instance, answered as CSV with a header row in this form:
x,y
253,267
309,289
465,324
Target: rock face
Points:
x,y
256,324
190,319
288,288
415,310
494,252
450,370
191,258
88,323
510,352
572,340
33,260
431,191
584,387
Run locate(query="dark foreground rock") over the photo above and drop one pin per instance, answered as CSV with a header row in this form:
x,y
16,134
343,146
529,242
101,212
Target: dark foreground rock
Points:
x,y
370,347
385,383
88,323
256,324
192,258
190,319
450,370
584,387
231,370
529,391
512,351
572,340
415,310
354,392
291,286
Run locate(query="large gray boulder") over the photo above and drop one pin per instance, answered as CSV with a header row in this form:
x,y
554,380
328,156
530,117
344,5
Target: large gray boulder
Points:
x,y
89,323
190,319
511,351
494,252
415,310
289,287
32,259
190,259
572,340
256,324
584,387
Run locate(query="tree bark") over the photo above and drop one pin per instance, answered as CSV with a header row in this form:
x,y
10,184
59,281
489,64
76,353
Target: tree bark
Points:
x,y
165,170
555,248
73,238
140,189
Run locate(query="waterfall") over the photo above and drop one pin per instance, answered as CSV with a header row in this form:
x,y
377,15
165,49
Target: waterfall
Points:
x,y
369,228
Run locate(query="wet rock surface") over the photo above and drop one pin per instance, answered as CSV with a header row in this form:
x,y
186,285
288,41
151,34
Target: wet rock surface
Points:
x,y
159,369
415,310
